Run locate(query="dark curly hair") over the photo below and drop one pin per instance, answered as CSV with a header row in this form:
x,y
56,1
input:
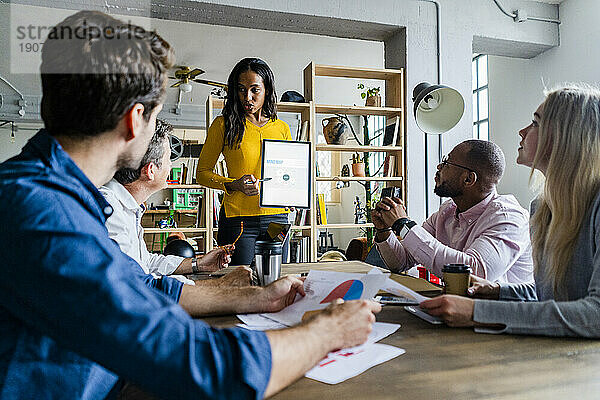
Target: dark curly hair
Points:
x,y
487,159
234,114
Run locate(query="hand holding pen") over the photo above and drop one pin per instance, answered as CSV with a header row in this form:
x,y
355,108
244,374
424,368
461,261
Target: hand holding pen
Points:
x,y
247,184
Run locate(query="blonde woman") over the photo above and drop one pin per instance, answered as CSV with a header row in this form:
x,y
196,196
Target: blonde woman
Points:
x,y
563,143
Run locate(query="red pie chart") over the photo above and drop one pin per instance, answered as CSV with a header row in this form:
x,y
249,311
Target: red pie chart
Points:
x,y
349,290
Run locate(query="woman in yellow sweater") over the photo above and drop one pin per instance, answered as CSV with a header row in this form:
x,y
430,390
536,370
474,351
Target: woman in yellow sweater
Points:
x,y
249,116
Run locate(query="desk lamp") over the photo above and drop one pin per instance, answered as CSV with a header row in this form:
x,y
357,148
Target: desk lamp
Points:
x,y
437,109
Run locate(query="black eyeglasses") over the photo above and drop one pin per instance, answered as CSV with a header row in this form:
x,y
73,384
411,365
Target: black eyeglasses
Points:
x,y
446,162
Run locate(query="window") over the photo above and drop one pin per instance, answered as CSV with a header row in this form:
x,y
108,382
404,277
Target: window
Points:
x,y
376,131
325,165
481,128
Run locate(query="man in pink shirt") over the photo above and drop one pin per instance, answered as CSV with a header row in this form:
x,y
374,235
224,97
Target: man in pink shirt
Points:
x,y
478,227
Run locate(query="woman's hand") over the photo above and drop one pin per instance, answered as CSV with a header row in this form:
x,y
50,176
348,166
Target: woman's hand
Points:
x,y
456,311
247,184
483,289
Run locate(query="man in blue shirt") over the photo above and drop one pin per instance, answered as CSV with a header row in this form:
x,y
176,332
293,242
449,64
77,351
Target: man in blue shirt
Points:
x,y
72,321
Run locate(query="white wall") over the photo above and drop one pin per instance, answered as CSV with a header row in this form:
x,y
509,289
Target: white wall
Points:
x,y
516,86
461,22
216,49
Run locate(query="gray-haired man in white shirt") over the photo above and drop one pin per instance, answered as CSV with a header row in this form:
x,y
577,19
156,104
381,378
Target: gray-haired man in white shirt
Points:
x,y
128,189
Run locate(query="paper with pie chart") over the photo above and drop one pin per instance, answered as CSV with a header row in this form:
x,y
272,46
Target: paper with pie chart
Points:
x,y
323,287
287,164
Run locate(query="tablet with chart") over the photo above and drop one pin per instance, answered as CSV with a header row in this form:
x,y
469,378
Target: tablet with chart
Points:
x,y
287,164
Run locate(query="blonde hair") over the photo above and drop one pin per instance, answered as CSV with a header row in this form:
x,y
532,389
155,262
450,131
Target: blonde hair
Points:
x,y
569,142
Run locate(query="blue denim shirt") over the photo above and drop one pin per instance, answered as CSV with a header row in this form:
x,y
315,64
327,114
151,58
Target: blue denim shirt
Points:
x,y
73,321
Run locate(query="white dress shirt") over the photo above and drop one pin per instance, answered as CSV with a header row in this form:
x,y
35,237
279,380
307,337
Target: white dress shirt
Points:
x,y
125,227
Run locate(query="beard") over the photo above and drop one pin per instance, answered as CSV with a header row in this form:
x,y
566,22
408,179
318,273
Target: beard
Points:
x,y
446,190
126,161
133,157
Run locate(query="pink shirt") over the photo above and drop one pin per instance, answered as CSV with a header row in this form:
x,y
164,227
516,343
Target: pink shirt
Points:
x,y
492,237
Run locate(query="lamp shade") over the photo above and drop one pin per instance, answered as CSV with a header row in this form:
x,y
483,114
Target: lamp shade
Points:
x,y
437,108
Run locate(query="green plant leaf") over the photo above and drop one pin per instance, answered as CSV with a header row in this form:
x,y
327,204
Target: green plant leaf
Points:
x,y
363,95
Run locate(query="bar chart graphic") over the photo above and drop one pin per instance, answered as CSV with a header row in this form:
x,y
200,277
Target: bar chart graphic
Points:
x,y
348,290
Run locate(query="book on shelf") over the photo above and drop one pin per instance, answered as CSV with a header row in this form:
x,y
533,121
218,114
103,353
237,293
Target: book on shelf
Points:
x,y
200,215
390,137
184,174
389,165
220,166
191,165
224,167
321,210
216,209
302,217
300,249
303,137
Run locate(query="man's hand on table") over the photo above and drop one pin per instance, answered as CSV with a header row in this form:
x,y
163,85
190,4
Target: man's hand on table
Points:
x,y
346,323
280,294
239,277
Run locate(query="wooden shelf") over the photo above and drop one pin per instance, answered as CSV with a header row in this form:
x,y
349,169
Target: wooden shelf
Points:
x,y
192,211
283,106
300,227
287,106
356,147
358,110
354,72
185,187
360,178
169,230
344,226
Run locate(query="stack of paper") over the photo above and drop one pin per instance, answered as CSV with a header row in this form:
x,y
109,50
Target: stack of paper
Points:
x,y
321,288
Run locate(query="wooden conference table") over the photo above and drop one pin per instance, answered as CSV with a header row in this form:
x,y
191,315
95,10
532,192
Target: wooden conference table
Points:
x,y
456,363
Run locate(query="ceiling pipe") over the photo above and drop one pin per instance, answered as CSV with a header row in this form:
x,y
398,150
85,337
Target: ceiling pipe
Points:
x,y
521,16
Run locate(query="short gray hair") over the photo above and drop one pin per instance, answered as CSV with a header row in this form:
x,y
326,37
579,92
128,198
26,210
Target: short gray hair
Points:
x,y
154,154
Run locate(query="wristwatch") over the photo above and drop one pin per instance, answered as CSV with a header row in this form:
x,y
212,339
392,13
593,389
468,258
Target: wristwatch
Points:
x,y
402,226
195,269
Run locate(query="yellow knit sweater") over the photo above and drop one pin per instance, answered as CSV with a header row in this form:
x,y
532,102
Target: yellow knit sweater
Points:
x,y
244,160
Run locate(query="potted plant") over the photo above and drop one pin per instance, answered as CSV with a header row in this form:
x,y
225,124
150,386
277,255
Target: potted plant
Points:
x,y
370,94
358,165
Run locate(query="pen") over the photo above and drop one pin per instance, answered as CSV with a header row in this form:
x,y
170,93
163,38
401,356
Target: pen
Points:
x,y
248,181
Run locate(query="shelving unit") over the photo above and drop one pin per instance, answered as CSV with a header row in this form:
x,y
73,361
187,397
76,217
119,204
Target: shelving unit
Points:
x,y
180,212
360,178
394,107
